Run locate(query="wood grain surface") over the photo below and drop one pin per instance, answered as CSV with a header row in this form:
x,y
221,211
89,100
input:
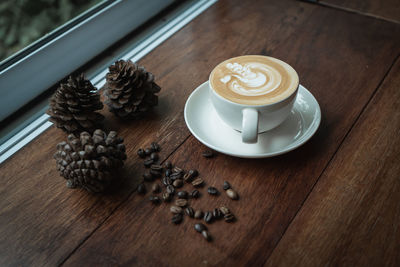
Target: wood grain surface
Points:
x,y
271,190
341,62
384,9
352,216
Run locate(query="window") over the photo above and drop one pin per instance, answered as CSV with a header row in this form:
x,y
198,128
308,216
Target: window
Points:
x,y
23,22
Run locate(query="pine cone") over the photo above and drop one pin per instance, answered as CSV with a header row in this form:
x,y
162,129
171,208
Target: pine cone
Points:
x,y
88,161
72,107
130,89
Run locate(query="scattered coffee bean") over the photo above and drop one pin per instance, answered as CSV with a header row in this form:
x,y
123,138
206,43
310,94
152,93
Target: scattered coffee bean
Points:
x,y
190,175
206,235
155,147
155,200
229,217
148,177
213,191
168,164
166,181
178,183
224,210
176,209
155,173
199,227
197,182
177,218
147,163
232,194
170,189
195,194
176,175
177,170
141,153
208,217
217,214
148,151
226,185
154,156
168,172
156,188
141,189
190,212
183,194
208,153
198,214
181,202
156,167
167,197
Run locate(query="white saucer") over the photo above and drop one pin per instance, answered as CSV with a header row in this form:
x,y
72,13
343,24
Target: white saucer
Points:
x,y
205,124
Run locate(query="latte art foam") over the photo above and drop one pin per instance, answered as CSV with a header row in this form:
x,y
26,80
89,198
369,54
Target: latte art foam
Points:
x,y
254,80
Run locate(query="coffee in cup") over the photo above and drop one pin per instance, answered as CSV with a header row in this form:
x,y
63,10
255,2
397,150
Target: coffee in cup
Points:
x,y
253,93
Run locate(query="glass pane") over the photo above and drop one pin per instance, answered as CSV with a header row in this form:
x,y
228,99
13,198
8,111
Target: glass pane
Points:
x,y
24,21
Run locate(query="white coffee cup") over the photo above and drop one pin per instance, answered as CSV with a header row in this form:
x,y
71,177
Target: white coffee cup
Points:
x,y
251,120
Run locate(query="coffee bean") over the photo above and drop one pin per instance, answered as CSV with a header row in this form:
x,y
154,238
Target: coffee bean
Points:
x,y
148,151
171,189
195,194
226,185
198,214
232,194
199,227
176,175
177,218
155,173
148,177
168,164
166,181
206,235
190,175
155,147
156,167
167,197
156,188
155,200
197,182
190,212
177,170
213,191
208,153
141,153
181,202
141,189
147,163
168,172
154,156
194,173
208,217
217,214
178,183
224,210
229,217
183,194
176,209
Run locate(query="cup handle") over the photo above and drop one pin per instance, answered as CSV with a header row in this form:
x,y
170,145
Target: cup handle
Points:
x,y
249,126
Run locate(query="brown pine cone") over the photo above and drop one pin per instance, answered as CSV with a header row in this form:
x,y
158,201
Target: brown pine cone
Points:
x,y
88,161
72,107
130,89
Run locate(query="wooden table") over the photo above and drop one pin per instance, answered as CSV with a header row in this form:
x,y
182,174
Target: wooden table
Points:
x,y
334,201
